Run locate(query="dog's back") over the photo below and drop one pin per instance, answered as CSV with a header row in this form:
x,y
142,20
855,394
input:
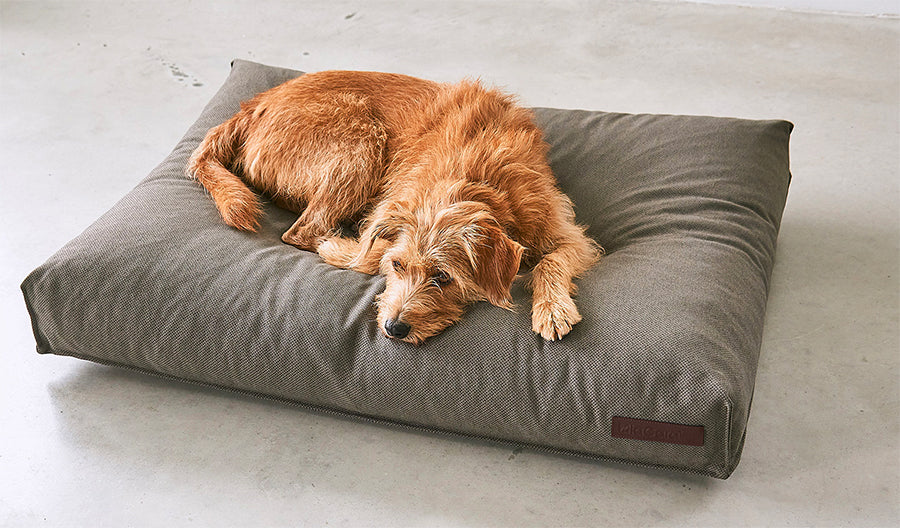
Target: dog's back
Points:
x,y
286,140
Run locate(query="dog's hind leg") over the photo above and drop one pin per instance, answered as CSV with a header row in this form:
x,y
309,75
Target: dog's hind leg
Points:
x,y
315,223
321,218
341,172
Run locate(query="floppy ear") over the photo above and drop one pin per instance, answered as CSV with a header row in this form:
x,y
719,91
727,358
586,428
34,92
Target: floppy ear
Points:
x,y
497,263
385,224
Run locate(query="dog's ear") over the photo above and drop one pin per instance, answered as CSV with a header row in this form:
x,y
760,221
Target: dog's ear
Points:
x,y
385,224
497,262
386,227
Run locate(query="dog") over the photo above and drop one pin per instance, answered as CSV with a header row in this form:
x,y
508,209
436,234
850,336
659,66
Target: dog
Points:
x,y
448,183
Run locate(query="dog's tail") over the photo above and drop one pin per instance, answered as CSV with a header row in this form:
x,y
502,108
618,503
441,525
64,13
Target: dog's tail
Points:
x,y
236,202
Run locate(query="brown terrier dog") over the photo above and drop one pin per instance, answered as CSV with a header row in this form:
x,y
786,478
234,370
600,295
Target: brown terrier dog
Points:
x,y
450,182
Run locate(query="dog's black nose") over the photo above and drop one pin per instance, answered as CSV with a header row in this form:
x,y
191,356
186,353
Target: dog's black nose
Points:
x,y
396,328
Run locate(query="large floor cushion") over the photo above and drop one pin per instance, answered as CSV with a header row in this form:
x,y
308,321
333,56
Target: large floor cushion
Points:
x,y
660,372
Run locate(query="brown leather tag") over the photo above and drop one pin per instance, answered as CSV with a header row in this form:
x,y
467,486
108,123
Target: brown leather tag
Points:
x,y
649,430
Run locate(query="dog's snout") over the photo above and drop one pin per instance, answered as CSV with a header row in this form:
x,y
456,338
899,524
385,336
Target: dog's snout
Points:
x,y
396,328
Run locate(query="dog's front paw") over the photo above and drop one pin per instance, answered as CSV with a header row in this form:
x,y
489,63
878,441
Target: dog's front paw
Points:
x,y
344,253
338,251
554,318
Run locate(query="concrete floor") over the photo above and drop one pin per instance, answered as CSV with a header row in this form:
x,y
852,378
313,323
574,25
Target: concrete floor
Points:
x,y
95,94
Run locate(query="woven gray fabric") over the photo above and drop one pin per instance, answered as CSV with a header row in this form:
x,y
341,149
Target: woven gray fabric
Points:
x,y
688,209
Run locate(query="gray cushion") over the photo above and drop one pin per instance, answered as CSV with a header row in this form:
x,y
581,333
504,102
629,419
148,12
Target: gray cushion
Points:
x,y
688,209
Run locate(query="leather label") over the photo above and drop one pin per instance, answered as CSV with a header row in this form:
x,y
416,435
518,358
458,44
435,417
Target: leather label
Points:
x,y
651,431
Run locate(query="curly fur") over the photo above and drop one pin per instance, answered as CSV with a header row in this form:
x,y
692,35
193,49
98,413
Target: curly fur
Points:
x,y
449,182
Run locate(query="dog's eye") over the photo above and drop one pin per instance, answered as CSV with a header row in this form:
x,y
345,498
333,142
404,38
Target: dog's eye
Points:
x,y
397,265
441,278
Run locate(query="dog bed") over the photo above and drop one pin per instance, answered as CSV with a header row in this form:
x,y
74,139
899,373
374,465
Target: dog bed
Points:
x,y
659,373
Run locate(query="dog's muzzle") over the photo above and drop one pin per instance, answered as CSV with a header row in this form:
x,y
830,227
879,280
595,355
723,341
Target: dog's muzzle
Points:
x,y
396,328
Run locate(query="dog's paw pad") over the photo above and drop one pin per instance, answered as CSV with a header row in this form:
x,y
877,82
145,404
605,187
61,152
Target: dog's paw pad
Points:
x,y
554,319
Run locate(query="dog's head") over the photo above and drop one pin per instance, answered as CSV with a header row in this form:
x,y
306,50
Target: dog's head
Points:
x,y
443,255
